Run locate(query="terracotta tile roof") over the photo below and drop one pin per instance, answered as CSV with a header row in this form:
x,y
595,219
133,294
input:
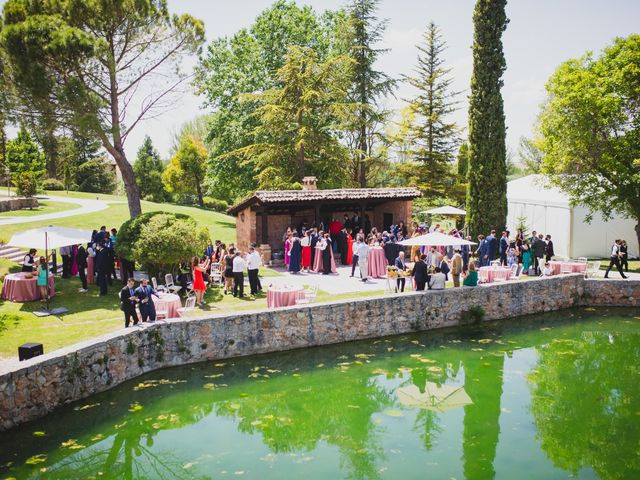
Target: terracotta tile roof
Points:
x,y
274,197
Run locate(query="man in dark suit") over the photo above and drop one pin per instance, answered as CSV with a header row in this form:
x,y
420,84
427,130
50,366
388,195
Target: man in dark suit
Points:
x,y
145,300
128,301
492,243
421,273
504,246
102,268
539,248
402,267
81,259
549,249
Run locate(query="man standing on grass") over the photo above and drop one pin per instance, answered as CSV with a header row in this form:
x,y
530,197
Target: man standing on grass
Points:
x,y
144,294
102,268
128,301
253,266
238,275
81,259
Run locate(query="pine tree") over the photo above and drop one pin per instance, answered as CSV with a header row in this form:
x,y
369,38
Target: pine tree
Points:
x,y
434,138
369,85
148,170
463,162
487,189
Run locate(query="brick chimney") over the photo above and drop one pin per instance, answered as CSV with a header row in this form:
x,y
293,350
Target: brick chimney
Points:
x,y
309,183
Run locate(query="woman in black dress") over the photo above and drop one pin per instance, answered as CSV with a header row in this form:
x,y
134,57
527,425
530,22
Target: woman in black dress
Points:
x,y
326,255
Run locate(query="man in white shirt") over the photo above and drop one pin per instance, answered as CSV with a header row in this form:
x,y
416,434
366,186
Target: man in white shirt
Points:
x,y
437,280
354,257
238,275
615,259
363,255
253,265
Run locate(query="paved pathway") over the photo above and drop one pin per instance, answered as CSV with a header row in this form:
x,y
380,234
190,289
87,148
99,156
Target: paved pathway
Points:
x,y
85,206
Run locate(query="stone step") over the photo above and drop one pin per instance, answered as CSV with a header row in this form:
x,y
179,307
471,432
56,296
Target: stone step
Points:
x,y
8,250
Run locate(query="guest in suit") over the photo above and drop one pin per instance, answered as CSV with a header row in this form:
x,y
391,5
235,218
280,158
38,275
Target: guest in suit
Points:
x,y
481,251
539,248
65,253
504,246
326,254
102,268
492,243
81,260
402,267
343,246
549,253
128,302
465,251
421,273
624,255
145,293
457,266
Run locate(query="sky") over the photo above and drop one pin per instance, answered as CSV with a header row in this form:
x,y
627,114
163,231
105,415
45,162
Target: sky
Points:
x,y
541,34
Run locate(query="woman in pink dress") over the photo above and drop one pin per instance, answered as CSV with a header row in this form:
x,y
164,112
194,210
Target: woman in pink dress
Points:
x,y
287,247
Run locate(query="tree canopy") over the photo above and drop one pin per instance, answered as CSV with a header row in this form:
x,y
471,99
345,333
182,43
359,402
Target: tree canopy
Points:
x,y
589,130
148,170
89,59
26,163
186,170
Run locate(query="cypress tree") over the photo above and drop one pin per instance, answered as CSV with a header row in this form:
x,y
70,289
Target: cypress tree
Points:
x,y
487,175
434,139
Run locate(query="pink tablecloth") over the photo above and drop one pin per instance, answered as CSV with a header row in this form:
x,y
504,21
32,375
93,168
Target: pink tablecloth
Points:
x,y
377,263
491,274
576,267
317,262
90,269
169,302
17,288
284,296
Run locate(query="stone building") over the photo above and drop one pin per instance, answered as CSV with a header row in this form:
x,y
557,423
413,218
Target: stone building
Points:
x,y
263,217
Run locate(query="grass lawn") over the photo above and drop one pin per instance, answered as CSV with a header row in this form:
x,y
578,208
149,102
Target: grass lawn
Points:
x,y
221,226
44,207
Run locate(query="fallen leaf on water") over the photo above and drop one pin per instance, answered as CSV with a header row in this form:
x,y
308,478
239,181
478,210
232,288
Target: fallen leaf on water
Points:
x,y
390,349
295,375
358,362
40,458
87,407
234,406
379,371
434,369
39,434
415,355
544,329
272,370
214,376
485,340
135,407
320,365
256,423
427,360
243,394
405,369
97,437
416,342
219,364
254,375
478,349
393,413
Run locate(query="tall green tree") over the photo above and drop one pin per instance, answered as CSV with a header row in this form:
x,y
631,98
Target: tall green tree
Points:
x,y
297,123
463,162
590,130
487,188
369,86
434,137
529,155
186,170
148,169
90,59
248,62
26,163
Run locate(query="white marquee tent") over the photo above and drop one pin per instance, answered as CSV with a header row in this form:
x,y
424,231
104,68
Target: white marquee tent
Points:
x,y
547,210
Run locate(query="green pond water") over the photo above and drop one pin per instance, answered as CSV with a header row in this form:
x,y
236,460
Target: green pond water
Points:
x,y
552,396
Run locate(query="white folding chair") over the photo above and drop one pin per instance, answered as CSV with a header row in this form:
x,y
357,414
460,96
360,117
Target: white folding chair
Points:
x,y
164,312
189,305
515,272
592,269
565,269
310,294
156,287
168,280
582,259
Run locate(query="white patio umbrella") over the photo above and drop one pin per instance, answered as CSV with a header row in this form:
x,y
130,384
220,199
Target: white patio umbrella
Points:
x,y
447,210
50,237
436,239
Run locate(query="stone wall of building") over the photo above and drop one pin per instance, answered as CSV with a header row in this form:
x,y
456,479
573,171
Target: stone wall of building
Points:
x,y
400,209
245,228
10,204
34,388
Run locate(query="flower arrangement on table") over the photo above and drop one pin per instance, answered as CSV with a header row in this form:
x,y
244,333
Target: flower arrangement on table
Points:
x,y
392,271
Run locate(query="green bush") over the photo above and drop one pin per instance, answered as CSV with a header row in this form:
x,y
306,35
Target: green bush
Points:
x,y
52,184
215,204
166,241
26,184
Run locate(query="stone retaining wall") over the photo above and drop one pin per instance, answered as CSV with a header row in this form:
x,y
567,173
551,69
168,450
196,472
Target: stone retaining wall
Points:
x,y
34,388
10,204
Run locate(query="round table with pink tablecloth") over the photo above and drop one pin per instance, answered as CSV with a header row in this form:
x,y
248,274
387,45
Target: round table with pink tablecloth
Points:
x,y
169,302
284,296
576,267
18,288
491,274
317,261
377,263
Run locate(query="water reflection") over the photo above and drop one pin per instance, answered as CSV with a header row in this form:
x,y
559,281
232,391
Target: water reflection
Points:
x,y
586,403
340,408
